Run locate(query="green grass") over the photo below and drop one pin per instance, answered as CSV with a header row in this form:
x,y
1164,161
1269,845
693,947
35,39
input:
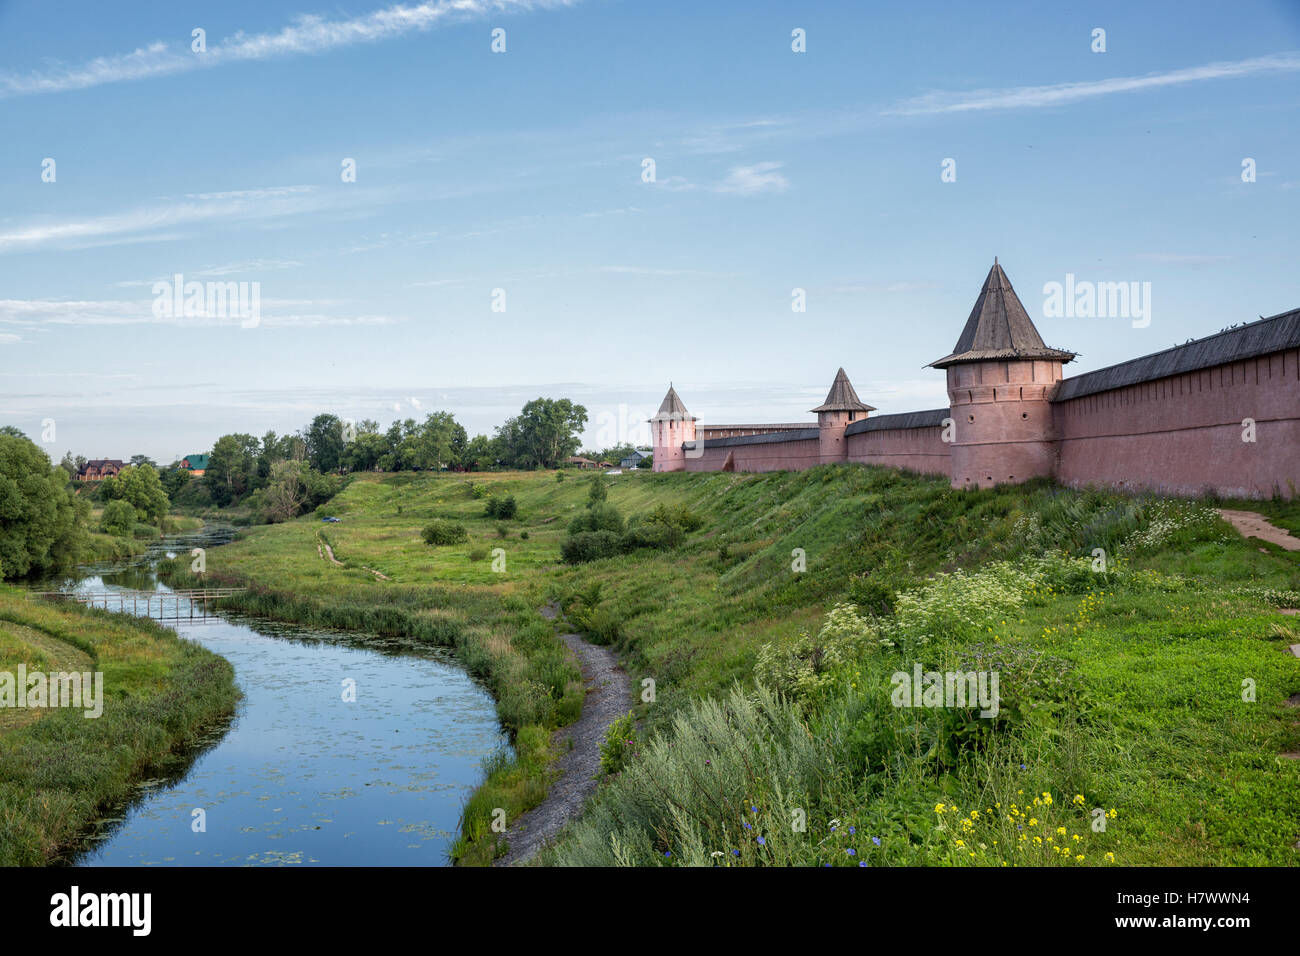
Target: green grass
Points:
x,y
58,769
1154,725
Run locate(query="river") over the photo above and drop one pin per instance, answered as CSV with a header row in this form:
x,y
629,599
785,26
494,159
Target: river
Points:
x,y
301,776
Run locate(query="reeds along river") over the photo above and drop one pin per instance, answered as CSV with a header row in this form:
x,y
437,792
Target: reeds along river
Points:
x,y
302,775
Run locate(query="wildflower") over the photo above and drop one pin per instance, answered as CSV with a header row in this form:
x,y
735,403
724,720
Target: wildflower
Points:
x,y
1110,857
753,809
1078,800
735,853
1079,858
1111,814
876,840
748,827
1061,830
762,842
862,863
851,852
668,852
716,853
853,831
938,808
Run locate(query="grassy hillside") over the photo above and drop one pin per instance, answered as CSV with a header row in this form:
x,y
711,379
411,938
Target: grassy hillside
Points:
x,y
1123,687
59,768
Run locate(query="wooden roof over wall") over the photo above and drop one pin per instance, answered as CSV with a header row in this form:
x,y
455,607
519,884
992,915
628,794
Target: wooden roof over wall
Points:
x,y
1274,334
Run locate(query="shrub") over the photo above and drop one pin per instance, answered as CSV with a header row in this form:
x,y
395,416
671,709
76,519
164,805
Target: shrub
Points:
x,y
661,537
118,518
590,546
504,508
598,491
811,664
677,516
478,553
524,535
503,531
439,532
597,517
620,742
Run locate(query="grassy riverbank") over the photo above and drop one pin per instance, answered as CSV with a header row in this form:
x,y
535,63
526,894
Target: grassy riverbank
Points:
x,y
1124,687
58,768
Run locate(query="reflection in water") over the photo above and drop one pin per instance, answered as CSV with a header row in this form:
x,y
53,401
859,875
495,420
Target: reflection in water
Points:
x,y
301,776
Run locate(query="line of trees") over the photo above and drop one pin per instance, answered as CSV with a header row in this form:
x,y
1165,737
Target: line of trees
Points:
x,y
294,471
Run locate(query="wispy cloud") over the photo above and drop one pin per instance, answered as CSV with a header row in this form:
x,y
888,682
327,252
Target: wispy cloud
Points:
x,y
1057,94
159,221
305,35
752,180
38,313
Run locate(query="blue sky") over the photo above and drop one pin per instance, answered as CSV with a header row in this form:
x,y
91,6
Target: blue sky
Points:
x,y
522,171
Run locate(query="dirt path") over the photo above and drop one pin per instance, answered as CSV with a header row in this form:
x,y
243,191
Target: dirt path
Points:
x,y
608,697
1251,525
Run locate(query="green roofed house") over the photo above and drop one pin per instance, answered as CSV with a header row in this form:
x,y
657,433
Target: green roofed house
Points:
x,y
196,465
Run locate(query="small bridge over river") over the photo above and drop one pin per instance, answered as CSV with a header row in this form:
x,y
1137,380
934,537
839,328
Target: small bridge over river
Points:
x,y
187,604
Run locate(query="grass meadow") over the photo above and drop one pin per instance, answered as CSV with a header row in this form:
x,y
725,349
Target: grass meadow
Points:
x,y
1145,677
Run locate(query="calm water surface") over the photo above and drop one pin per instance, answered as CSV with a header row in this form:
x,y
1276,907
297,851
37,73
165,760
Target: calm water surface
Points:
x,y
299,776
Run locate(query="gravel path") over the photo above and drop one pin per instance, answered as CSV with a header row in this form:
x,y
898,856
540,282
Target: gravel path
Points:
x,y
608,697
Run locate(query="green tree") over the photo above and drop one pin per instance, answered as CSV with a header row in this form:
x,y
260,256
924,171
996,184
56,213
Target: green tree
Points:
x,y
435,442
118,518
544,433
42,524
324,439
232,468
138,486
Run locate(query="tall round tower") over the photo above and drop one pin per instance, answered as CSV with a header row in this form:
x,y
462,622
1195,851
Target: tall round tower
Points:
x,y
671,427
841,407
1000,380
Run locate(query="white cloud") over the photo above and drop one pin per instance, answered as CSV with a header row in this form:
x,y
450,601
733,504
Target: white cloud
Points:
x,y
1032,97
37,313
752,180
9,338
306,34
157,222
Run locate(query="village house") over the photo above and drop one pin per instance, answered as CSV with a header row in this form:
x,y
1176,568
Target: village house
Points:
x,y
196,465
97,469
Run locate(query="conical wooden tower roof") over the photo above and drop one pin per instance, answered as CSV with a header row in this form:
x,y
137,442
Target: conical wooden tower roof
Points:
x,y
999,328
672,408
842,397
